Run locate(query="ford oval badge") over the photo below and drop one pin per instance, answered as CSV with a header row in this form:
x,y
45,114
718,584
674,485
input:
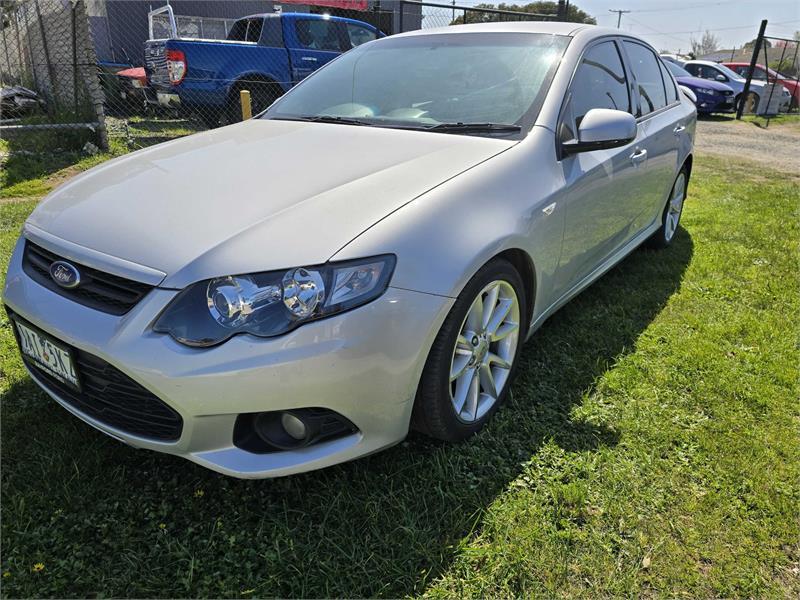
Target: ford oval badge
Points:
x,y
64,274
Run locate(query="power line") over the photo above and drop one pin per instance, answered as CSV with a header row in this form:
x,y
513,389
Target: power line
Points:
x,y
619,14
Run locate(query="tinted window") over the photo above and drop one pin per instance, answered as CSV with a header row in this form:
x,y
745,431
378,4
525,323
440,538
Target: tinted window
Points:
x,y
238,32
254,30
599,82
669,84
646,68
322,35
359,35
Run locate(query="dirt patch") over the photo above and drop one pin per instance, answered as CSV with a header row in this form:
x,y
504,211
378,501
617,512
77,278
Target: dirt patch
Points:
x,y
777,146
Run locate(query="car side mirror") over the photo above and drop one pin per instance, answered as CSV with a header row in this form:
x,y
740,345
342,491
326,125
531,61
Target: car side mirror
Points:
x,y
601,129
688,93
721,77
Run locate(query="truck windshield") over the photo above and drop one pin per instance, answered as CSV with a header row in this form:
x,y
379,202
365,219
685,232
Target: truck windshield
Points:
x,y
471,83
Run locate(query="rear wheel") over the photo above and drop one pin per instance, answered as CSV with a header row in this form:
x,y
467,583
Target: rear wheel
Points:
x,y
472,362
671,216
750,102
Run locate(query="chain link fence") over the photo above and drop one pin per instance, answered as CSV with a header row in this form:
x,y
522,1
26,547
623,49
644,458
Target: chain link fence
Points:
x,y
51,95
131,73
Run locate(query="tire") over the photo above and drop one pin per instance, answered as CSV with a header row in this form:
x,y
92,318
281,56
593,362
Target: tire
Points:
x,y
671,217
750,104
435,408
262,94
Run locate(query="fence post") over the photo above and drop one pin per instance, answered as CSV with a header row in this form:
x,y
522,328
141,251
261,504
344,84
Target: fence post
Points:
x,y
247,107
402,11
753,61
50,70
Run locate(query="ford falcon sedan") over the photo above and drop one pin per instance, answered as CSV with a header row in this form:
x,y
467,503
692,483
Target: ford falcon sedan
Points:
x,y
366,256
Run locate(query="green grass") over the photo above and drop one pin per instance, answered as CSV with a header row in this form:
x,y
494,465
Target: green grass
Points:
x,y
34,173
651,448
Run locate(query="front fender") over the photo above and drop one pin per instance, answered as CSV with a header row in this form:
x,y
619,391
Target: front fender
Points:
x,y
443,237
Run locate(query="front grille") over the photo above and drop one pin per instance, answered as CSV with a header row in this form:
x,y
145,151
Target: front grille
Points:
x,y
113,398
102,291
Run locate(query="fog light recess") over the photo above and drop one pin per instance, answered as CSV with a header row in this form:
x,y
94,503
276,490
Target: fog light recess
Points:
x,y
283,430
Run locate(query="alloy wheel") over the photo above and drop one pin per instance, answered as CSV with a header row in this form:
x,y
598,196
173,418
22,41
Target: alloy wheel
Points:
x,y
675,207
484,351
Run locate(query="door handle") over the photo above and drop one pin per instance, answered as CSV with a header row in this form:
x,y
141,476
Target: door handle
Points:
x,y
639,156
309,59
678,129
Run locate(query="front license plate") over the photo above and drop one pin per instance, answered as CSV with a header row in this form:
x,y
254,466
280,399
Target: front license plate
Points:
x,y
51,357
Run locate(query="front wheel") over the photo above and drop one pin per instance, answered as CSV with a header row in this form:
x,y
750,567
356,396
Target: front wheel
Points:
x,y
671,216
473,359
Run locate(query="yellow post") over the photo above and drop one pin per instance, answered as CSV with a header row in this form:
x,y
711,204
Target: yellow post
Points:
x,y
247,107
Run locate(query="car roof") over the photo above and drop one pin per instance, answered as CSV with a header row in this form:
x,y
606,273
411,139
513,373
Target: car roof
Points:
x,y
547,27
710,63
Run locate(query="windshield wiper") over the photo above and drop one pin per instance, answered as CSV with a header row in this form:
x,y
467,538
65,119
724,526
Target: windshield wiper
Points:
x,y
474,128
325,119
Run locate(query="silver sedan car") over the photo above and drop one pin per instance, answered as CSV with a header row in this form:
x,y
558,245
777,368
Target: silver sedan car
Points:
x,y
365,257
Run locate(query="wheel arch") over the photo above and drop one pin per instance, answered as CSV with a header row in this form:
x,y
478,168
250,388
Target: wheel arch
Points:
x,y
687,162
255,77
523,263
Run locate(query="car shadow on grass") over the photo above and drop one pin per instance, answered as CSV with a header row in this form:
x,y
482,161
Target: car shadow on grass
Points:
x,y
386,525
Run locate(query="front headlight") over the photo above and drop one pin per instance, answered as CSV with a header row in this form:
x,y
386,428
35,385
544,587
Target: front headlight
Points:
x,y
273,303
707,91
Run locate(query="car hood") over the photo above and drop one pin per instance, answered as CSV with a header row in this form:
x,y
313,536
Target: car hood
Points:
x,y
697,82
251,197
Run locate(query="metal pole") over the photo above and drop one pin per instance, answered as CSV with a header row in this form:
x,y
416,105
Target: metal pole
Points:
x,y
19,47
74,59
619,14
402,11
753,61
51,72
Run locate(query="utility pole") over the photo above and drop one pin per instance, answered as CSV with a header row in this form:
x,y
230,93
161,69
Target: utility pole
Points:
x,y
619,15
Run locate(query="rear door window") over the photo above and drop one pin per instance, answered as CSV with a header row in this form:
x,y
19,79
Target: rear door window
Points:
x,y
238,32
649,82
359,35
319,34
246,30
669,84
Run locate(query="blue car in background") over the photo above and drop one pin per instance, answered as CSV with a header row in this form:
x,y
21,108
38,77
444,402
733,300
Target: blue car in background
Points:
x,y
712,96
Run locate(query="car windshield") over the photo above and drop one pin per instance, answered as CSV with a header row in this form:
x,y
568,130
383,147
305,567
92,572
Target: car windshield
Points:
x,y
472,83
676,70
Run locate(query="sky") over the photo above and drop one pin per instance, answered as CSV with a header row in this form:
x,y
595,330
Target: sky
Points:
x,y
669,24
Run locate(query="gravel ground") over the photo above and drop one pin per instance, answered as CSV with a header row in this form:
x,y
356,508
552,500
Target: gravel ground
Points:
x,y
777,146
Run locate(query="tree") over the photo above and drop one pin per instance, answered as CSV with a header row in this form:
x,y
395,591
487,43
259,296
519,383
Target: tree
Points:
x,y
574,14
707,44
752,44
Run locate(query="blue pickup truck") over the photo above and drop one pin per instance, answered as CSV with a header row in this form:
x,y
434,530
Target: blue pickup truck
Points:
x,y
266,54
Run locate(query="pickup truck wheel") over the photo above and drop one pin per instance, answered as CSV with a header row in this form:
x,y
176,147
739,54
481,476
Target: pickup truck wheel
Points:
x,y
262,94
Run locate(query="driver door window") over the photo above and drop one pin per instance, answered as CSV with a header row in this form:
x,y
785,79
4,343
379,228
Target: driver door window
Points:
x,y
599,82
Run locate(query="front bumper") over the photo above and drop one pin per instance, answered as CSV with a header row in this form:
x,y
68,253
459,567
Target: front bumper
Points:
x,y
714,104
364,364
